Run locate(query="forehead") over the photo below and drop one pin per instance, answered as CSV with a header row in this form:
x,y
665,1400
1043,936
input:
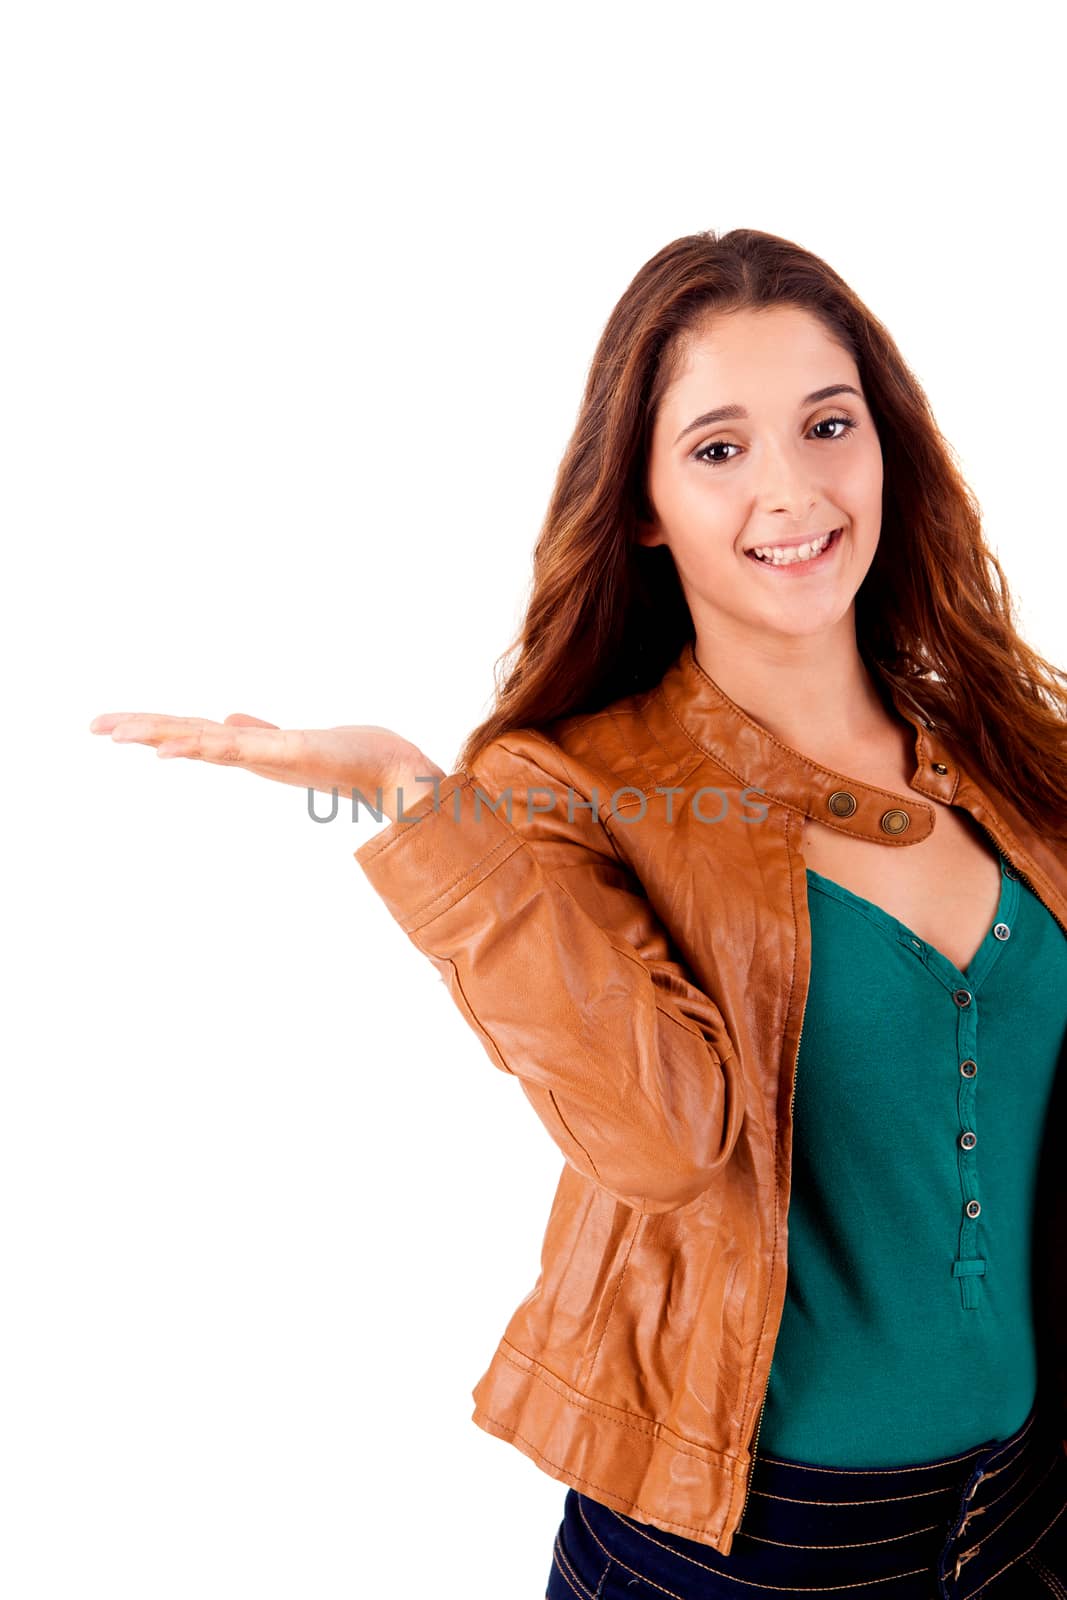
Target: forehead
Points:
x,y
778,354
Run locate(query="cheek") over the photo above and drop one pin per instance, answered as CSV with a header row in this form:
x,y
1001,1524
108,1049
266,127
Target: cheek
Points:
x,y
861,478
708,528
715,509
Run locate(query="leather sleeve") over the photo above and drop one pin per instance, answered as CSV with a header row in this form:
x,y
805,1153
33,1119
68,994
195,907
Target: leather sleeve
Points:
x,y
552,952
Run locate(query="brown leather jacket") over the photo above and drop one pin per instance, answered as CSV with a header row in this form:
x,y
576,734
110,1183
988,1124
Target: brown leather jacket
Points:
x,y
633,943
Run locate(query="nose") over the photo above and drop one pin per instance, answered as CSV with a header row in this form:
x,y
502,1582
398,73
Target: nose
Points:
x,y
785,488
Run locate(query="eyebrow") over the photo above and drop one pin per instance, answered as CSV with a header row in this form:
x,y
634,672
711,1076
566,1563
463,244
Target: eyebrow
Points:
x,y
731,413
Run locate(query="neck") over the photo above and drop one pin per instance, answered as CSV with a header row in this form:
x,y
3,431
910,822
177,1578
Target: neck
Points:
x,y
815,693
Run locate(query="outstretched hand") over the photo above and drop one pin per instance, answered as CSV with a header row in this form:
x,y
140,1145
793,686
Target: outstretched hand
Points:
x,y
363,757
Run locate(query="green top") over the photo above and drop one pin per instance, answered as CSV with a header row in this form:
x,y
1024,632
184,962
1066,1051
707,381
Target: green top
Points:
x,y
907,1333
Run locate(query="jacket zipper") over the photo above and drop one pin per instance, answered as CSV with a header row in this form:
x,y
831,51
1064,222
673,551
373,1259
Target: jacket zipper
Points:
x,y
792,1101
766,1387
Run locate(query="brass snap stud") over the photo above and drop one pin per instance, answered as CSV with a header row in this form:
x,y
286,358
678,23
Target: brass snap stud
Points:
x,y
939,766
895,821
841,803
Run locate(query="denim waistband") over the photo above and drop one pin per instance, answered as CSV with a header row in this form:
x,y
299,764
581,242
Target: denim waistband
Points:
x,y
956,1522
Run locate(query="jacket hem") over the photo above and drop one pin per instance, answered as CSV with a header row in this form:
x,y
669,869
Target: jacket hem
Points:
x,y
658,1478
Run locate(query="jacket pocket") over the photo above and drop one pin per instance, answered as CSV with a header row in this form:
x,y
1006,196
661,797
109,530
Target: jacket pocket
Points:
x,y
607,1299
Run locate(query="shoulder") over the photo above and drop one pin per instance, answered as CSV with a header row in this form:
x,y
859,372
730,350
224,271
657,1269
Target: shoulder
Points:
x,y
633,742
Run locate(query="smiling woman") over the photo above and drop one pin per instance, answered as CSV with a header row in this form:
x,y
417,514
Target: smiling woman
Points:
x,y
801,1318
756,471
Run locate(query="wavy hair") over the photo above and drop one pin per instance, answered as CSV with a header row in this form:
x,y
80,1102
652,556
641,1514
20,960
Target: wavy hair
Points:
x,y
607,616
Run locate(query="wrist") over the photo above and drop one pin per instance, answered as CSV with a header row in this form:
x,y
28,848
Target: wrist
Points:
x,y
406,784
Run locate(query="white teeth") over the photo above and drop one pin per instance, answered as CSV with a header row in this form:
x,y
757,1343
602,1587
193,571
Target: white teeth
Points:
x,y
781,557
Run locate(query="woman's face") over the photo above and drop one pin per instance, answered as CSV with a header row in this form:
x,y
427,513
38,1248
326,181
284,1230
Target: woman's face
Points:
x,y
780,471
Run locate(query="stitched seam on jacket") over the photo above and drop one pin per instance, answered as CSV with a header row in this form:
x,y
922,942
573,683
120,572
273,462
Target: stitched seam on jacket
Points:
x,y
672,757
650,784
419,918
640,712
383,843
577,1141
681,771
690,1028
480,1024
615,1296
638,763
828,772
631,954
693,1030
602,1408
634,1505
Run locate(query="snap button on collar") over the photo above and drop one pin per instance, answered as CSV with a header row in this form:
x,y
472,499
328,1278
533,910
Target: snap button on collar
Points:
x,y
841,803
895,821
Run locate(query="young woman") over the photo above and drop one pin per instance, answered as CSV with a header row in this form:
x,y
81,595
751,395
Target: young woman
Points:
x,y
756,878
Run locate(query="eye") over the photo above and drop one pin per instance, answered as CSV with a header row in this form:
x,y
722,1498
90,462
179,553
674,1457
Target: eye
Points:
x,y
849,425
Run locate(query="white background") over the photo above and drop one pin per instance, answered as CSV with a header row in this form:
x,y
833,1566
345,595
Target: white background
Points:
x,y
297,305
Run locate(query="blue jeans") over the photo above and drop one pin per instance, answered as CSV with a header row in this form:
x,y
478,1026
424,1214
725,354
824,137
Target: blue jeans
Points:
x,y
990,1523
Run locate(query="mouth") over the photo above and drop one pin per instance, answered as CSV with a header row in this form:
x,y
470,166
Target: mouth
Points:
x,y
789,561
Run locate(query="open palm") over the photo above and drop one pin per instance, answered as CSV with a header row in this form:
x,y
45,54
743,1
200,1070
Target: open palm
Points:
x,y
363,757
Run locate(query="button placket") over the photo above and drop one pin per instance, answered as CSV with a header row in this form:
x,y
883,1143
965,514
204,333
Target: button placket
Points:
x,y
968,1265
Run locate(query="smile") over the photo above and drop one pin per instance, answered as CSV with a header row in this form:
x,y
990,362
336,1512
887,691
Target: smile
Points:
x,y
805,555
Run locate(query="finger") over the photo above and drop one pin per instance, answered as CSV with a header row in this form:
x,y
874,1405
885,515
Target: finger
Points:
x,y
109,719
235,746
142,727
242,720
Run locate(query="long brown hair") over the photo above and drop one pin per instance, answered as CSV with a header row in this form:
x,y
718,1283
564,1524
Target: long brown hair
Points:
x,y
607,616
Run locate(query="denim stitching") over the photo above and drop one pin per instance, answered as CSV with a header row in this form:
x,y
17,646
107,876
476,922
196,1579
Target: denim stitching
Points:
x,y
1015,1559
974,1548
1048,1577
859,1544
1028,1465
778,1588
874,1500
867,1472
570,1577
788,1544
603,1580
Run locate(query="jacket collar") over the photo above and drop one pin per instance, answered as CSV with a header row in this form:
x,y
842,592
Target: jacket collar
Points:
x,y
755,757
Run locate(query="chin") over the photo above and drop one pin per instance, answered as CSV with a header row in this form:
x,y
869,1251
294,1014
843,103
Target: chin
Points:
x,y
811,625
